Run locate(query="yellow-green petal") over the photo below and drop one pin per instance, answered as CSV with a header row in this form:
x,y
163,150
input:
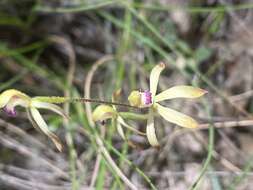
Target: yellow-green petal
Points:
x,y
120,130
103,112
176,117
8,94
154,77
37,119
180,92
123,123
48,106
150,130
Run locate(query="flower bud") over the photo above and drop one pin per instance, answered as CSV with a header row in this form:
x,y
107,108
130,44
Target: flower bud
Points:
x,y
103,112
135,98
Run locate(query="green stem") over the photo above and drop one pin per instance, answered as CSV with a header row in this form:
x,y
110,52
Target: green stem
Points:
x,y
60,100
150,7
133,116
101,102
210,152
237,180
83,7
142,173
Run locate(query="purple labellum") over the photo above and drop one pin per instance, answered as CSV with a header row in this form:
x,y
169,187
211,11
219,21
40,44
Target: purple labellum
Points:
x,y
146,97
10,112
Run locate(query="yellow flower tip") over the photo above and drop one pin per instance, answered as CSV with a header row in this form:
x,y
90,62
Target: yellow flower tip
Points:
x,y
195,92
194,125
103,112
57,143
200,92
204,91
154,77
191,124
117,93
60,148
135,98
162,65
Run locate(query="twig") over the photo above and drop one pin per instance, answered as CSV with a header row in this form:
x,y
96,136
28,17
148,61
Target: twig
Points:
x,y
224,161
87,86
241,96
241,123
239,21
45,176
17,183
206,125
67,93
99,141
14,145
208,173
16,130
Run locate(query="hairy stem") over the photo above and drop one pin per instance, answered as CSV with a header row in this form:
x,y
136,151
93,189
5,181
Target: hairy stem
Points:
x,y
61,100
101,102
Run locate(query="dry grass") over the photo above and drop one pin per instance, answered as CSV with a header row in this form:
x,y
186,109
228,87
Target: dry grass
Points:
x,y
91,49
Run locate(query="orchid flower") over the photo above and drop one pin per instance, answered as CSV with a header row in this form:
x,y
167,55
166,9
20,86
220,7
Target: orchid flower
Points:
x,y
104,112
149,99
11,98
